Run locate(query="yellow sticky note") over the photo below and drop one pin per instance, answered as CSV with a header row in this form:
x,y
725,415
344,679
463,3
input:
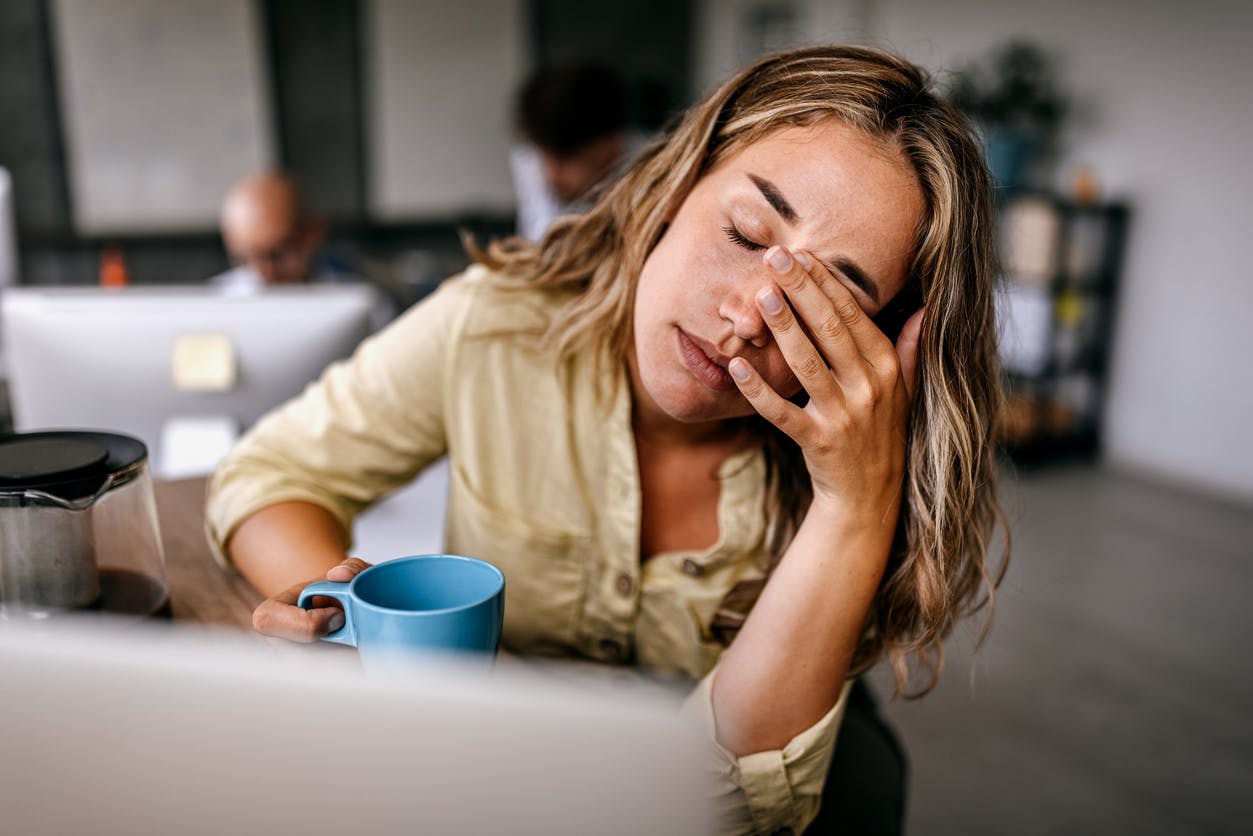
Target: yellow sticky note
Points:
x,y
203,363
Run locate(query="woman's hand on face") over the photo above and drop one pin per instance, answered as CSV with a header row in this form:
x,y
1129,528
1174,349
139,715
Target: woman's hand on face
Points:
x,y
279,616
852,431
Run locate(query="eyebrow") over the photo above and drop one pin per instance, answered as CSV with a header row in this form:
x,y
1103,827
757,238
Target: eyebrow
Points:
x,y
775,198
856,276
843,265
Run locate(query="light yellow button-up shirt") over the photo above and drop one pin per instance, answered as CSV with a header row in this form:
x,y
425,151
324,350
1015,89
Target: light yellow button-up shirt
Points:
x,y
545,485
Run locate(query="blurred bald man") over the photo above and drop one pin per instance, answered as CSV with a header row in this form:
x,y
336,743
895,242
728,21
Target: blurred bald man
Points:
x,y
270,234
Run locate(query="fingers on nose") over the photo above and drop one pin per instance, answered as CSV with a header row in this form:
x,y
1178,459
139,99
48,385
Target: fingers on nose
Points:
x,y
784,261
741,308
791,269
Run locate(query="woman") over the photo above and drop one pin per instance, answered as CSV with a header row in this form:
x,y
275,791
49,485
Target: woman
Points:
x,y
686,417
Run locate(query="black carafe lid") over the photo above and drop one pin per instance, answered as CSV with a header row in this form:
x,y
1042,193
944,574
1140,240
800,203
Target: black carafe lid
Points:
x,y
65,463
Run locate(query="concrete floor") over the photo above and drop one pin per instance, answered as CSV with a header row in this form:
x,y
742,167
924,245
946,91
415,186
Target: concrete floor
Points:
x,y
1114,692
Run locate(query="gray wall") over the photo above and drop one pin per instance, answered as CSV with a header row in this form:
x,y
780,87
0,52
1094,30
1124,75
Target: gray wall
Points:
x,y
440,79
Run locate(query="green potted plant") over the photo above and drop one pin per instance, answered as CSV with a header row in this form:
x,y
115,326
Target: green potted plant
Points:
x,y
1013,97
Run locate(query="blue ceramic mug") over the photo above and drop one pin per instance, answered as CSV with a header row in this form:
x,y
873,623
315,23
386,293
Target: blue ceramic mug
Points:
x,y
403,608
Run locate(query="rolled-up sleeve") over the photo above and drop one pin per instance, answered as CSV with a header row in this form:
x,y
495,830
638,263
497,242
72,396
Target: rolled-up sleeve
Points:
x,y
368,425
777,791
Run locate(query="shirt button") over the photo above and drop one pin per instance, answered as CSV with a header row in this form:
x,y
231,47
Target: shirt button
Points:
x,y
610,650
692,569
624,584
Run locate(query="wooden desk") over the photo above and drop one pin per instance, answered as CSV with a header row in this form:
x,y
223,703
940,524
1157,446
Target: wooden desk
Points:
x,y
200,590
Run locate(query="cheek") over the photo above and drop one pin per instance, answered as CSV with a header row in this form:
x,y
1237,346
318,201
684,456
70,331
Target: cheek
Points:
x,y
685,261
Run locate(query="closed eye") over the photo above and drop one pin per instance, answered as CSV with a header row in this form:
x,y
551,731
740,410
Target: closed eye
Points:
x,y
738,239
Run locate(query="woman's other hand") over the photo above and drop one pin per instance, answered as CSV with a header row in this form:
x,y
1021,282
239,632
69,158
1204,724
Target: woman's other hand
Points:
x,y
279,616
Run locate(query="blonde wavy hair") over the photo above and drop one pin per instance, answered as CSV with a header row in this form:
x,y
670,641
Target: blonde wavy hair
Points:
x,y
939,570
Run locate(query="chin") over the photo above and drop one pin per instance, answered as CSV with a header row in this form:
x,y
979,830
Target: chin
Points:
x,y
697,406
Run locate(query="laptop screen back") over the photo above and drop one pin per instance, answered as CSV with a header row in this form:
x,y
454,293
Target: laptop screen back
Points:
x,y
135,731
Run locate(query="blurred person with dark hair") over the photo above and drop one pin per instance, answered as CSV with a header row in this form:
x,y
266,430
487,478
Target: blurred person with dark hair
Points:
x,y
573,120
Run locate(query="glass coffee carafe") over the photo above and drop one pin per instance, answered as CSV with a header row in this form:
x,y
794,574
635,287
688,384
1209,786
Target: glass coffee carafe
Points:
x,y
78,526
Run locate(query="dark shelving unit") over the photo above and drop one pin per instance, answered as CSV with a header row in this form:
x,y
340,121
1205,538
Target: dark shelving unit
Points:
x,y
1061,264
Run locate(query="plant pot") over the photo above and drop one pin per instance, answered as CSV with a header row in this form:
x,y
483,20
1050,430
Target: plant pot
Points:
x,y
1009,156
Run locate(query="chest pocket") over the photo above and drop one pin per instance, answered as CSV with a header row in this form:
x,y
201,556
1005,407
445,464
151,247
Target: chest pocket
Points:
x,y
546,569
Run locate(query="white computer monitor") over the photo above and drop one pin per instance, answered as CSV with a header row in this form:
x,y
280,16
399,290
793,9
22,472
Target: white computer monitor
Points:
x,y
8,244
185,369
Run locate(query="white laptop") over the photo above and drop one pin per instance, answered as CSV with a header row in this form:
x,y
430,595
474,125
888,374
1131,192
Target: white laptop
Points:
x,y
124,730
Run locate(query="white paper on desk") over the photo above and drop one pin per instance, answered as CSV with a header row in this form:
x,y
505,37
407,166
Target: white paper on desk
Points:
x,y
1024,315
192,445
411,520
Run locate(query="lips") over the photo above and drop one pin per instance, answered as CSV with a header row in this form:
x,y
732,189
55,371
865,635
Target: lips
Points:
x,y
705,363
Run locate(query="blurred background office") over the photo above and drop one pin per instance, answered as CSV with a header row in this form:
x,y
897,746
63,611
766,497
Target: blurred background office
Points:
x,y
1110,696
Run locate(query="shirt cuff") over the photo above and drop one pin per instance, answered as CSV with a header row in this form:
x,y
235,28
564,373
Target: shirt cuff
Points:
x,y
777,791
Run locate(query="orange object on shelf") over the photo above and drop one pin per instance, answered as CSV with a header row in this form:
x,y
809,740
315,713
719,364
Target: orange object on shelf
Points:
x,y
113,272
1085,188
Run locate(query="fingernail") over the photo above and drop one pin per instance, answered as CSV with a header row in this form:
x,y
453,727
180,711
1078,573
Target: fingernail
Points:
x,y
738,369
770,301
803,260
335,622
780,260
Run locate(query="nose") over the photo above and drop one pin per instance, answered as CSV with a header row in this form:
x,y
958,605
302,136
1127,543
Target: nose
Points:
x,y
740,310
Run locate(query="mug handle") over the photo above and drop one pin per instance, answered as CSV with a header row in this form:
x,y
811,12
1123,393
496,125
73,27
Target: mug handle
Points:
x,y
339,591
